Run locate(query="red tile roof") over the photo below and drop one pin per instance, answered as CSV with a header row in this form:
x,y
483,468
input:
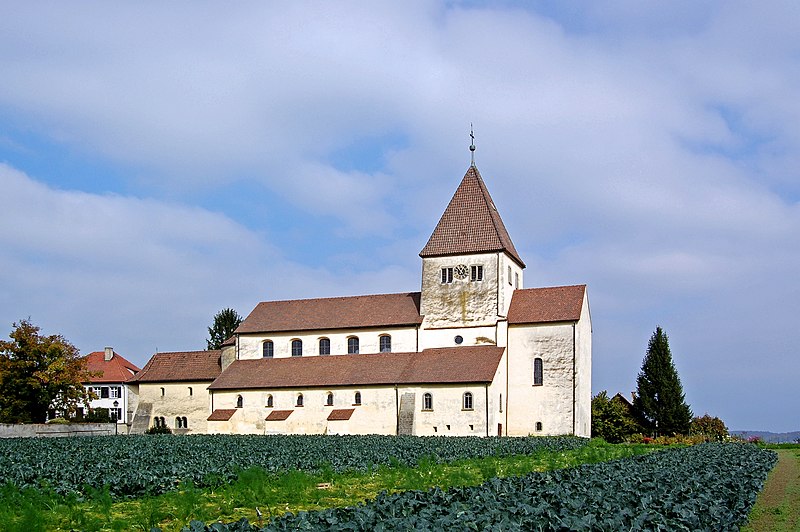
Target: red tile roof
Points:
x,y
470,223
279,415
342,414
118,369
543,305
181,366
468,364
382,310
222,414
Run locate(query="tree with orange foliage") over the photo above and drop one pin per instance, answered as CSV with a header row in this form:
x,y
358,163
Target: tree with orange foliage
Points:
x,y
39,373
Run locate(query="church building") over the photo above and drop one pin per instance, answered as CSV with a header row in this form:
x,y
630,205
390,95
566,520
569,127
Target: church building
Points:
x,y
472,353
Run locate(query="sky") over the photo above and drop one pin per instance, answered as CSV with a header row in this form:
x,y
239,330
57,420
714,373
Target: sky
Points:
x,y
161,161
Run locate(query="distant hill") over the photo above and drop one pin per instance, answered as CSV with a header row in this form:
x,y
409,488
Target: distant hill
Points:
x,y
768,437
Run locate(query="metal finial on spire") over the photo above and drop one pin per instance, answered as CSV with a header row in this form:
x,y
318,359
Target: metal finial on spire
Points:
x,y
472,145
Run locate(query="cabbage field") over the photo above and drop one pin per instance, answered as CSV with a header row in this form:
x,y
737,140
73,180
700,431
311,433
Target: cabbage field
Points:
x,y
706,487
154,464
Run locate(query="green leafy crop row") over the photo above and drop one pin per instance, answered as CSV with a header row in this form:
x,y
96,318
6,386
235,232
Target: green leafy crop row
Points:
x,y
706,487
148,465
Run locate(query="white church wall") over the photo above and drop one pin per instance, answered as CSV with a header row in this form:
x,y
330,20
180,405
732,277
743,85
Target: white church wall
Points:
x,y
376,414
551,402
404,340
448,417
510,279
182,399
431,338
462,302
583,381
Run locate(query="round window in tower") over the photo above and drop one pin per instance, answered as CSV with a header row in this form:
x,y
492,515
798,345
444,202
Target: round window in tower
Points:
x,y
458,339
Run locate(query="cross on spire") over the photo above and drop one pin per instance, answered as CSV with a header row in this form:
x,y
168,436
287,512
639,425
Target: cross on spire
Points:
x,y
472,145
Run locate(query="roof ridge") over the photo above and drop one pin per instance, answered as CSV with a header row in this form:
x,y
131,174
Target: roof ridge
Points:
x,y
328,298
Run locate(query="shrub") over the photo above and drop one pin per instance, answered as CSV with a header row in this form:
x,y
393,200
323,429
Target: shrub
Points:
x,y
158,430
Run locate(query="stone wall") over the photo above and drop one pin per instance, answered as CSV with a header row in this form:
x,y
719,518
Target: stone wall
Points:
x,y
51,431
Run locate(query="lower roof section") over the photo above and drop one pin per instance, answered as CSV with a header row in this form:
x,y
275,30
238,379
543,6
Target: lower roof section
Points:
x,y
222,414
464,364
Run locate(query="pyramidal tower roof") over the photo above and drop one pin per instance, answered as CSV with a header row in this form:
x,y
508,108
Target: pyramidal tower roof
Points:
x,y
470,223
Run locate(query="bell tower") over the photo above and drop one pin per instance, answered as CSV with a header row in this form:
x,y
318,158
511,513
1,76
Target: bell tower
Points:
x,y
470,267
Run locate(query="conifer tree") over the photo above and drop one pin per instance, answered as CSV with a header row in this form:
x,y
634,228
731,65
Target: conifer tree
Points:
x,y
225,322
660,403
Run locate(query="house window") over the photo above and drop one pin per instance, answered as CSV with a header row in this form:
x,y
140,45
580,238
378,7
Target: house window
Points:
x,y
115,414
324,346
427,401
476,273
104,392
297,348
299,400
114,392
357,398
352,345
467,402
269,401
329,399
537,372
538,426
267,349
509,275
239,401
386,343
96,390
447,275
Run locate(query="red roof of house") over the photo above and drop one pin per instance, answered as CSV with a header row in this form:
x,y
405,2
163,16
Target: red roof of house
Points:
x,y
465,364
341,414
222,414
279,415
118,369
181,366
544,305
470,223
382,310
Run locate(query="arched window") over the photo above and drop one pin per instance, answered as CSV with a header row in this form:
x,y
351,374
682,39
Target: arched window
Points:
x,y
538,426
352,345
299,400
329,399
324,346
178,423
267,349
162,392
185,423
190,391
269,401
386,343
297,348
239,401
427,401
467,402
538,376
357,398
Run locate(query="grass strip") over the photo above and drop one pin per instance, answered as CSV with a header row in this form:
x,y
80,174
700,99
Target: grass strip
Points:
x,y
777,507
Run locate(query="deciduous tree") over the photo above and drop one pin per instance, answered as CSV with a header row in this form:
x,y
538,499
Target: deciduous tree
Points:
x,y
38,373
611,419
660,404
713,428
225,322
